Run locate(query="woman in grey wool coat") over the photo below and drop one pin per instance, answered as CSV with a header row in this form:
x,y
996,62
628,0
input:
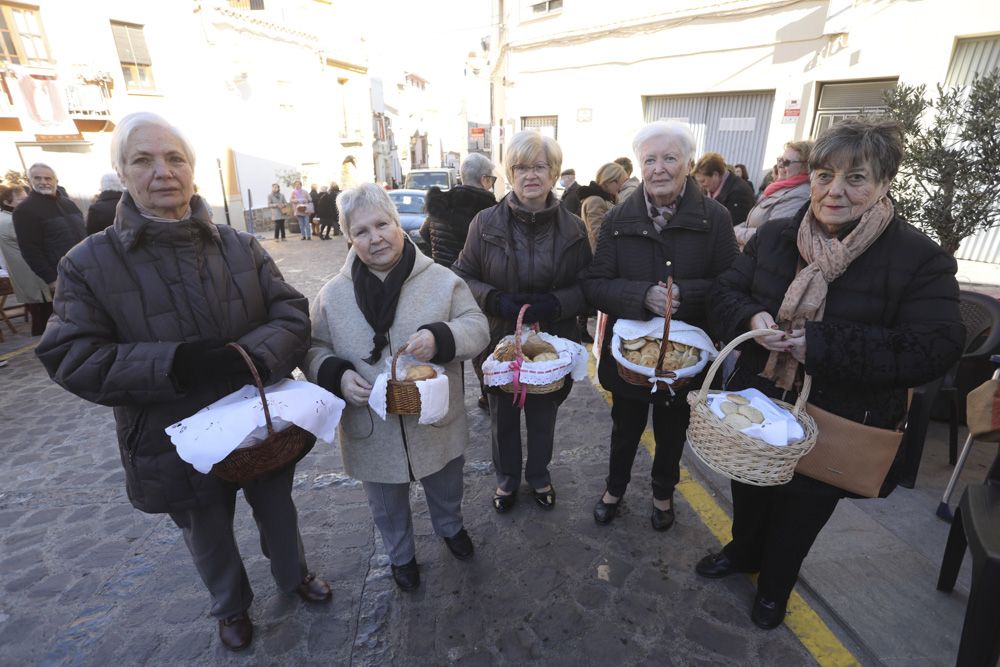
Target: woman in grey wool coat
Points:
x,y
386,295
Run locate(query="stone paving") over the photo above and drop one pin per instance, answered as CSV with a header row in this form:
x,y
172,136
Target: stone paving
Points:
x,y
88,580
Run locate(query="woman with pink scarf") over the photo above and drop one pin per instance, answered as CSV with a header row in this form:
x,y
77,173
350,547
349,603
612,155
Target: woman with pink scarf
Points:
x,y
302,207
785,195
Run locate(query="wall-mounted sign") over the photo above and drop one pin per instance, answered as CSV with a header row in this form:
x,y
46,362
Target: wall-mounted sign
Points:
x,y
793,109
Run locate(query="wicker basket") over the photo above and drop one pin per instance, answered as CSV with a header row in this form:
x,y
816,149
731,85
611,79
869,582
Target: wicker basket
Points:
x,y
274,452
735,454
640,380
524,387
402,396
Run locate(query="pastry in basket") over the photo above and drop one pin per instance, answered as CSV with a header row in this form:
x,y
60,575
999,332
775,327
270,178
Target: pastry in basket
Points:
x,y
420,372
546,356
633,343
505,351
534,346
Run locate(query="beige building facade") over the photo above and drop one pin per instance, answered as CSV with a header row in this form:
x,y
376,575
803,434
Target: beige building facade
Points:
x,y
747,75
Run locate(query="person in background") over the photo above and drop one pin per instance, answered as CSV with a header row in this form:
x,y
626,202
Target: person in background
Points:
x,y
47,225
767,180
143,312
857,298
528,249
329,216
741,171
302,209
101,213
29,288
314,195
666,229
276,203
783,197
449,213
389,294
630,184
571,195
716,181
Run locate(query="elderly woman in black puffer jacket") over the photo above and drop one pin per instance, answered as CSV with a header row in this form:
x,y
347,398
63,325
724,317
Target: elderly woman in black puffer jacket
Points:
x,y
864,302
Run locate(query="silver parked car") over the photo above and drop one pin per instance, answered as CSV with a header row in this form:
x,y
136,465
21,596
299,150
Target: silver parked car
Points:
x,y
411,205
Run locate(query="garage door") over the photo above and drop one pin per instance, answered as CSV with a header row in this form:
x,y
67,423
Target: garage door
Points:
x,y
734,125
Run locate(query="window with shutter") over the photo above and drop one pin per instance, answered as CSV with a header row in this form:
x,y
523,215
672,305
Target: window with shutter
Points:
x,y
22,40
137,67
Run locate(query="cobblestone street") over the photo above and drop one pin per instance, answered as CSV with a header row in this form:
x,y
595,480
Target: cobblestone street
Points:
x,y
88,580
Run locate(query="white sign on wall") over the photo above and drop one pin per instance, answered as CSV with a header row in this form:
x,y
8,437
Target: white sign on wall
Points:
x,y
737,124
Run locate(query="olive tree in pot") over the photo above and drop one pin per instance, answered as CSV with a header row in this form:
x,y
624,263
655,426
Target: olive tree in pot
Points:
x,y
949,181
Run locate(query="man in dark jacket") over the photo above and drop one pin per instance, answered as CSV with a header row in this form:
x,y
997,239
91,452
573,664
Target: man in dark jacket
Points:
x,y
665,229
571,192
449,212
326,209
718,182
101,213
47,225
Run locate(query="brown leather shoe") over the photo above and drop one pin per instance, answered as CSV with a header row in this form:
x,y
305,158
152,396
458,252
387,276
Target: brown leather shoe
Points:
x,y
236,631
313,589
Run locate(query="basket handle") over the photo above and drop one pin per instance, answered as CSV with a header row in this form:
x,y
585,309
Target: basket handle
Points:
x,y
733,344
667,315
395,358
260,385
517,331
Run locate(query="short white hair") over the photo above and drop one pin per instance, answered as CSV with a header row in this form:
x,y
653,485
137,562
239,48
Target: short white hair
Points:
x,y
40,165
110,181
475,167
130,123
366,196
671,129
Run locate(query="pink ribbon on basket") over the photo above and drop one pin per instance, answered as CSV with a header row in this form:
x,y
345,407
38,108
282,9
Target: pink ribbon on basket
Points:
x,y
520,390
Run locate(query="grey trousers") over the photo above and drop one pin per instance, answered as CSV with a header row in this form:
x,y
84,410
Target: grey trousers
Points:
x,y
390,507
208,533
540,412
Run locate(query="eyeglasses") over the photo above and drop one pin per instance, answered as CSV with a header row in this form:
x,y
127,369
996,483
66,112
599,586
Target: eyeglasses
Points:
x,y
493,179
522,169
787,163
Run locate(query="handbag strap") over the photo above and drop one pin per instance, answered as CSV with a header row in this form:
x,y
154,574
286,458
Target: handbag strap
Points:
x,y
260,385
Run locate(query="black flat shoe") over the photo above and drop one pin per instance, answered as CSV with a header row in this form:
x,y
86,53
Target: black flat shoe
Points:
x,y
604,512
662,520
767,614
545,499
460,545
407,576
716,566
504,504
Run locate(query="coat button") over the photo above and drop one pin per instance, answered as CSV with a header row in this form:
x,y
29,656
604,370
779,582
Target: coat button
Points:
x,y
645,232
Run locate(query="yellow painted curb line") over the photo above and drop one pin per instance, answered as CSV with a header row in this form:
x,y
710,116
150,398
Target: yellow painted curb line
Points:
x,y
802,620
20,350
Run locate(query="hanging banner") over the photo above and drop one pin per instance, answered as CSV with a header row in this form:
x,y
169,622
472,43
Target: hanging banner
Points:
x,y
41,107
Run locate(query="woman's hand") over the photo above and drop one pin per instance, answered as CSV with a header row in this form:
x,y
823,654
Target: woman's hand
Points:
x,y
422,345
657,295
796,345
354,388
777,342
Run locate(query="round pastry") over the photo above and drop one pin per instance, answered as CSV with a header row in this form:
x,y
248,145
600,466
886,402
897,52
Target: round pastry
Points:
x,y
737,421
420,372
505,351
546,356
650,348
728,407
632,356
737,399
649,359
535,345
752,413
633,343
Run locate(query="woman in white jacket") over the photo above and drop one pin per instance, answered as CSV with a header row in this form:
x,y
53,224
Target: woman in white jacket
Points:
x,y
785,195
386,295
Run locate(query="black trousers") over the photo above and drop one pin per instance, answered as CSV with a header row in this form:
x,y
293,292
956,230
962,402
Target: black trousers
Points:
x,y
628,421
39,314
279,228
774,528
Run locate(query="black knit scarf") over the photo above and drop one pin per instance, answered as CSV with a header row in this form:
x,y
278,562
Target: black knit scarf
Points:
x,y
377,299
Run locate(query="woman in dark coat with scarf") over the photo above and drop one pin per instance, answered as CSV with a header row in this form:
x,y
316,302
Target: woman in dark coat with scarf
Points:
x,y
666,228
527,250
864,303
142,315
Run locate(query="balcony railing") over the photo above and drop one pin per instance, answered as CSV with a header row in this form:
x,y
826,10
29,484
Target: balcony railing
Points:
x,y
88,99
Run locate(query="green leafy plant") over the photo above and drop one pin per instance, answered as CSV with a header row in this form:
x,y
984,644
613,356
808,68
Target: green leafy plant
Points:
x,y
949,181
15,177
287,177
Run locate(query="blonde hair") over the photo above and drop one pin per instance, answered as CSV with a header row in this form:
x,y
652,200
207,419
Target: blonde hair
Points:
x,y
610,172
528,145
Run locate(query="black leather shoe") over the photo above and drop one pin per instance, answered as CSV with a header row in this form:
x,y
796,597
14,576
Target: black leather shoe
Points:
x,y
662,520
313,589
717,566
545,499
407,576
236,632
484,403
504,504
767,614
460,545
604,512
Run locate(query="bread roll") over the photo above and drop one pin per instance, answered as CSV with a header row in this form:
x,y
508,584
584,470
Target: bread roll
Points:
x,y
752,413
534,346
505,351
633,343
737,399
737,421
420,372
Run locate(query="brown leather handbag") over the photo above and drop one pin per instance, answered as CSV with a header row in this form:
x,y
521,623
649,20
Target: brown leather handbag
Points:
x,y
849,455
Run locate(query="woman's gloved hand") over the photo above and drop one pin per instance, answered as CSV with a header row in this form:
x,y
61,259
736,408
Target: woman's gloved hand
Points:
x,y
542,308
210,360
506,305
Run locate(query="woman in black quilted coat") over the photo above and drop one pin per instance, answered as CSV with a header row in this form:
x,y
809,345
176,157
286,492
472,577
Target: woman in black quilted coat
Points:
x,y
142,315
861,300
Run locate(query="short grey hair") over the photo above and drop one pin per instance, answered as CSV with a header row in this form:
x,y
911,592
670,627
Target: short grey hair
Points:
x,y
671,129
39,165
475,167
111,182
366,196
860,141
132,122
